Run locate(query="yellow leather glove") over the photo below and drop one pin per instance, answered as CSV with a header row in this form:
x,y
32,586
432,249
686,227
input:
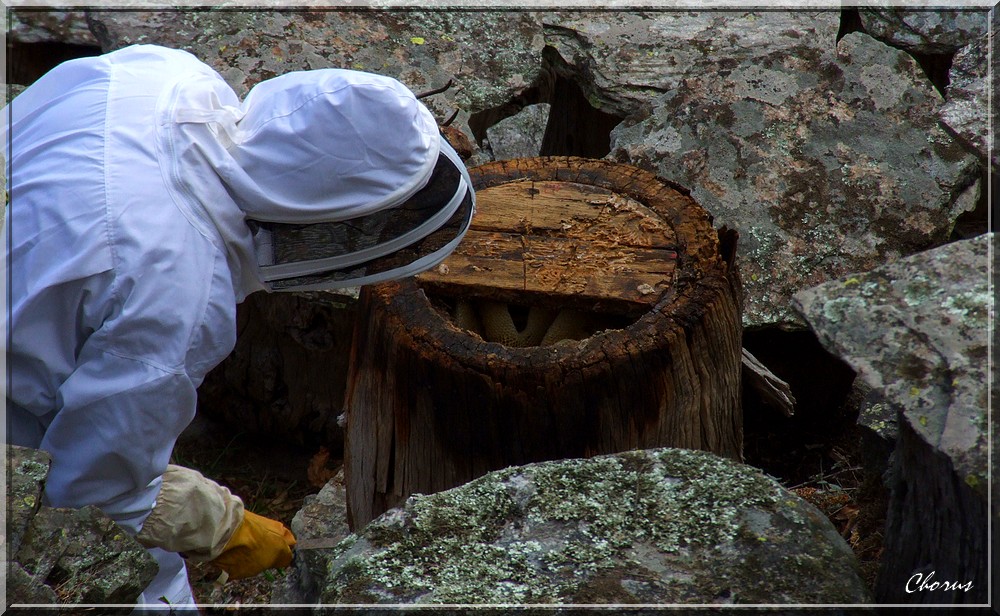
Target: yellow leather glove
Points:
x,y
258,543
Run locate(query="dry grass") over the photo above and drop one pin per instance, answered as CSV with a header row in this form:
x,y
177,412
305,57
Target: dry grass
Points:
x,y
854,504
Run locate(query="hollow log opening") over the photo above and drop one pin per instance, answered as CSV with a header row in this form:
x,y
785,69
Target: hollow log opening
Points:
x,y
521,325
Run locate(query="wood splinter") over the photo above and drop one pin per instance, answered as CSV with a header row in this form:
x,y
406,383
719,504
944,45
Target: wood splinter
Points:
x,y
773,391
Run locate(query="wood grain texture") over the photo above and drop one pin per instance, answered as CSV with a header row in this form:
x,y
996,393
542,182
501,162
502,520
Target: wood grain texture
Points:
x,y
560,244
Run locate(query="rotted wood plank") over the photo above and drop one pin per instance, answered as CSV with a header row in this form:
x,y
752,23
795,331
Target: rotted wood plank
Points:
x,y
554,271
562,244
571,210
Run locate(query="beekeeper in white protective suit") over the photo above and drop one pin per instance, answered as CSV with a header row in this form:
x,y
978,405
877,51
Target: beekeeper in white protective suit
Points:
x,y
146,201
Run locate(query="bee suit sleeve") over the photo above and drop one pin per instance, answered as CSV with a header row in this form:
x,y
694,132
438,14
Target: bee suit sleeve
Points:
x,y
193,515
204,521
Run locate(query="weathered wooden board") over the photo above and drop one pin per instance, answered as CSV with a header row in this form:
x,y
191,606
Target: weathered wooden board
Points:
x,y
561,244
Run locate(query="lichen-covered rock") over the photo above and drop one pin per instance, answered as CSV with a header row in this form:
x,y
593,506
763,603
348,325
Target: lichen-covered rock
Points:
x,y
519,136
490,55
917,332
625,59
34,26
24,588
65,555
939,31
827,161
967,110
27,470
647,526
85,557
879,421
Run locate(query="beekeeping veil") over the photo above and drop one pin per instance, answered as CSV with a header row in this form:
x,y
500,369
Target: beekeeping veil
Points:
x,y
344,179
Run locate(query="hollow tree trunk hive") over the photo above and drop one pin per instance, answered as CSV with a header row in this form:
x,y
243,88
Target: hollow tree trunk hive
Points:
x,y
636,302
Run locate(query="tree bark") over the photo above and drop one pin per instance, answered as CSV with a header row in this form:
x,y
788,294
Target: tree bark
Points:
x,y
431,405
936,539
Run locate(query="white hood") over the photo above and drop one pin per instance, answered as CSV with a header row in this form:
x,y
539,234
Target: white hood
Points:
x,y
305,147
330,144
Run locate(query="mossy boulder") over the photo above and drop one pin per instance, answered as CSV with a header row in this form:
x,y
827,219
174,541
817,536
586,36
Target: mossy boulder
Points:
x,y
67,556
647,526
917,332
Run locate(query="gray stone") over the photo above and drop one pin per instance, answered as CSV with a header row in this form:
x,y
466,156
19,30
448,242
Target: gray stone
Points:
x,y
916,332
24,588
653,526
65,555
874,413
938,31
826,161
879,422
995,425
34,26
27,470
323,515
323,519
519,136
994,43
85,557
967,109
625,59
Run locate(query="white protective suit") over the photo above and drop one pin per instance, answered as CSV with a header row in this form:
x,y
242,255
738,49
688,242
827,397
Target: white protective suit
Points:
x,y
131,176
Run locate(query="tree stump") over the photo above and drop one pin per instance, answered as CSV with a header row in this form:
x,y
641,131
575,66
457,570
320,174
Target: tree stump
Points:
x,y
629,259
